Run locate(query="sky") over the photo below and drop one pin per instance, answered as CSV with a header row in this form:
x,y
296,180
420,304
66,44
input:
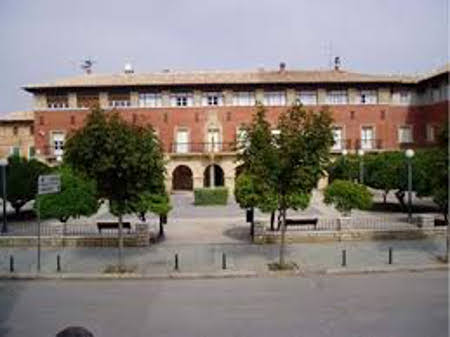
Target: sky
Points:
x,y
41,40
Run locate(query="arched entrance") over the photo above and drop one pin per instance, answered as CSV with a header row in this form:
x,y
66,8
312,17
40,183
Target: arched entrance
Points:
x,y
182,179
218,176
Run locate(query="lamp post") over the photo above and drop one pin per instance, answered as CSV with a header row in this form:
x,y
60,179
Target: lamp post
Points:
x,y
409,155
361,166
3,164
344,159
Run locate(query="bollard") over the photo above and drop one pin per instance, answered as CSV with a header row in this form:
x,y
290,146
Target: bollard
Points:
x,y
390,255
176,262
11,264
58,263
344,258
224,261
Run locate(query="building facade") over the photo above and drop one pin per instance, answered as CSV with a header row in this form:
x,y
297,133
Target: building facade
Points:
x,y
17,134
199,116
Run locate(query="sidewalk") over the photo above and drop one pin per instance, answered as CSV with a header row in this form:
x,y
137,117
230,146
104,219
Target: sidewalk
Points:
x,y
240,257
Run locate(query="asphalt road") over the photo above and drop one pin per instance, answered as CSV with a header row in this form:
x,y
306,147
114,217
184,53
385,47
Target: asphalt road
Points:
x,y
391,305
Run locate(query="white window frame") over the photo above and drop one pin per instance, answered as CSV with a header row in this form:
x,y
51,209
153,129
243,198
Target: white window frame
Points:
x,y
339,142
212,99
367,143
182,147
431,133
307,97
410,138
215,145
274,98
181,100
244,98
150,100
337,97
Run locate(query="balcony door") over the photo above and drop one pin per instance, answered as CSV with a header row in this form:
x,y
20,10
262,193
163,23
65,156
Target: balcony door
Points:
x,y
182,144
213,144
367,138
58,144
337,137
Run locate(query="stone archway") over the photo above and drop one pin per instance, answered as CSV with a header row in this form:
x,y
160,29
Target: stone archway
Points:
x,y
182,179
219,176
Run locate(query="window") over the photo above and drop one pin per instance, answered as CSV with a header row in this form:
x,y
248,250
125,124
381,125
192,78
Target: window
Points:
x,y
244,98
431,133
337,97
212,98
405,134
367,138
57,101
337,137
274,98
31,152
119,100
57,144
368,97
213,144
150,100
435,95
405,96
15,130
14,151
182,100
307,97
182,144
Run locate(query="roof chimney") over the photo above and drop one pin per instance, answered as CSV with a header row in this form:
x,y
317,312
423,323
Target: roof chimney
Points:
x,y
128,68
337,63
282,67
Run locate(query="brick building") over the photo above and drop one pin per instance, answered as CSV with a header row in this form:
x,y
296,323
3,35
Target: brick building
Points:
x,y
199,115
17,134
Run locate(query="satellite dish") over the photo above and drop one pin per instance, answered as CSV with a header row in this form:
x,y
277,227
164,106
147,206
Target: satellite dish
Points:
x,y
87,64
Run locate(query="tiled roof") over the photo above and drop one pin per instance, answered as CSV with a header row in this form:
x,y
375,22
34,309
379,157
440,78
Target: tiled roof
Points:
x,y
17,116
220,77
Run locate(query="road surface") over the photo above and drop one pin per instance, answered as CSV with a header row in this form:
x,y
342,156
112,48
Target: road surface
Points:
x,y
391,305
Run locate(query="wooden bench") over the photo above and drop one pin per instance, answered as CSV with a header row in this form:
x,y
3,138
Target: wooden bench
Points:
x,y
112,225
302,222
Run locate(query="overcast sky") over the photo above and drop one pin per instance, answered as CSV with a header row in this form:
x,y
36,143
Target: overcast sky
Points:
x,y
41,40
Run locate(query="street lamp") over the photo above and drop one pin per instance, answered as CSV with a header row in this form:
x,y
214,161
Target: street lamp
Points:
x,y
361,166
3,164
409,155
344,159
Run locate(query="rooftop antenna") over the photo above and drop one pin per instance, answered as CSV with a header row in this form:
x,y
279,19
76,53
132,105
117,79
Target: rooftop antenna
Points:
x,y
329,54
87,64
337,63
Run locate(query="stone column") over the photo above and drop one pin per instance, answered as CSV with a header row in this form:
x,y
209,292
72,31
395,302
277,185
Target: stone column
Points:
x,y
39,101
72,98
384,96
198,96
103,98
321,96
165,97
259,95
291,96
352,96
134,98
227,97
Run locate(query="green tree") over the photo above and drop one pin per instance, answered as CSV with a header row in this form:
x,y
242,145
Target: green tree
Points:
x,y
247,194
345,167
346,195
125,160
78,197
291,163
21,180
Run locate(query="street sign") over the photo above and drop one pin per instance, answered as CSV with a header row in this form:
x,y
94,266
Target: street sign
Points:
x,y
48,184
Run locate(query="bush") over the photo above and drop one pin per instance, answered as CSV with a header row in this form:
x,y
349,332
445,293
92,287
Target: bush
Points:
x,y
346,195
211,196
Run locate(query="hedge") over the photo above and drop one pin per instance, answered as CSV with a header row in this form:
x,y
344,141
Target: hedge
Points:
x,y
211,196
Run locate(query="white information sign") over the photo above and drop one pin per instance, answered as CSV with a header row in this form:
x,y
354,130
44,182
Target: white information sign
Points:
x,y
48,184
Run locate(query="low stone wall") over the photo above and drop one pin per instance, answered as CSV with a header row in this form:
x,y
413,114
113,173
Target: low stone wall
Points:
x,y
141,238
263,236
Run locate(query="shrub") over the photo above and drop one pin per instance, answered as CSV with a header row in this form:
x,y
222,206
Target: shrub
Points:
x,y
211,196
346,195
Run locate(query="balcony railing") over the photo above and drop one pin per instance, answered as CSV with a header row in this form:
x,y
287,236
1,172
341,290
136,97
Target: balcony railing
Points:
x,y
181,148
341,144
368,144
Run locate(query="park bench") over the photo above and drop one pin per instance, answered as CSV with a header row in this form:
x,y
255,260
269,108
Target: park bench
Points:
x,y
302,222
112,225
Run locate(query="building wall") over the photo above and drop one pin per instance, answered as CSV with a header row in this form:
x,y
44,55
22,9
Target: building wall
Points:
x,y
23,137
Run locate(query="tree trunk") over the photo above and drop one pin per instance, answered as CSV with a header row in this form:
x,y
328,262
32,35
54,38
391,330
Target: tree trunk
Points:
x,y
120,242
385,194
272,220
283,238
401,199
252,224
447,255
279,219
161,228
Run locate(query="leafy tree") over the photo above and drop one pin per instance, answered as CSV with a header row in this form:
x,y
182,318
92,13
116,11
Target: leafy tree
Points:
x,y
247,194
291,163
78,197
21,180
344,167
125,160
346,195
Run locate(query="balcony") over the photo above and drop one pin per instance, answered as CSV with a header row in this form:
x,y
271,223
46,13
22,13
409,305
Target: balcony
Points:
x,y
341,144
368,144
203,148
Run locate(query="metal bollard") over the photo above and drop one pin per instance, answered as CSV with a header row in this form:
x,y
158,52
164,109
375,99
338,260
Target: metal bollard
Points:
x,y
224,261
11,264
344,258
176,262
58,263
390,255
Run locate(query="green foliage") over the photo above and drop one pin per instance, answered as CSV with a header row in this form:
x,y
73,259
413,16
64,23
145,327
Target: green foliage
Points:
x,y
246,191
211,196
158,204
78,197
21,180
344,167
346,195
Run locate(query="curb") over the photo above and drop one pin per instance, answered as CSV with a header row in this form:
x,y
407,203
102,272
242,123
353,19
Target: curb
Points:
x,y
221,274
